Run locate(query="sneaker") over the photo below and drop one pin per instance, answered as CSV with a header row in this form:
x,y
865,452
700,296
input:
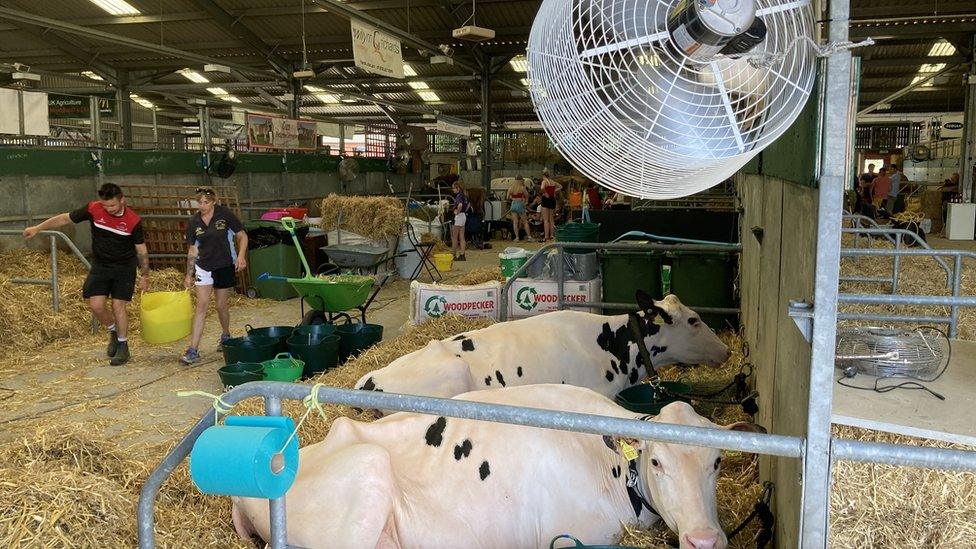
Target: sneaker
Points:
x,y
121,355
190,355
530,239
113,343
223,338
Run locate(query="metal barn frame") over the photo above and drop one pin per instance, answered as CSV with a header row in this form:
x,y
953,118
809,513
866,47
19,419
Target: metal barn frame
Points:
x,y
818,449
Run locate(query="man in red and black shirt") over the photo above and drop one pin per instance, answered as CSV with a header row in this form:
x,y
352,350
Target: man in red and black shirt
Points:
x,y
118,245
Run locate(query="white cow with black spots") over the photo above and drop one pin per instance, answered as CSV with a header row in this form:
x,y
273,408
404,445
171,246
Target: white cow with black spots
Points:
x,y
415,481
577,348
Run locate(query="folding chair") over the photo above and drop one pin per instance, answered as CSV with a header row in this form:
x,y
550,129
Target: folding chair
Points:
x,y
425,250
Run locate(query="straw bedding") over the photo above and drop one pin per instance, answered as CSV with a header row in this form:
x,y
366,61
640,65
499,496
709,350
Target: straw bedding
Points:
x,y
480,276
375,217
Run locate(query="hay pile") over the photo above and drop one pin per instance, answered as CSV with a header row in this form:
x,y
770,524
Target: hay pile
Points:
x,y
375,217
919,276
65,487
480,276
29,318
440,246
887,506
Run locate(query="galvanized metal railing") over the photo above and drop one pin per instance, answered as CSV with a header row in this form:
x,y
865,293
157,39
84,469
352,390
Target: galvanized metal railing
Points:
x,y
560,247
53,281
953,301
895,236
769,444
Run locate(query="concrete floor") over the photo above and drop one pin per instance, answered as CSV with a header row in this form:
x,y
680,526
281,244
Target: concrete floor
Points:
x,y
72,382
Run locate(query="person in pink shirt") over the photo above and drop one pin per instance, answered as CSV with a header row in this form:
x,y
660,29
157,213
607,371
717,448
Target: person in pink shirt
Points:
x,y
882,186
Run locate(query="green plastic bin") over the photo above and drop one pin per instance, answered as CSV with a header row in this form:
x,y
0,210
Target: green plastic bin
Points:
x,y
625,272
578,232
355,337
278,259
319,353
705,279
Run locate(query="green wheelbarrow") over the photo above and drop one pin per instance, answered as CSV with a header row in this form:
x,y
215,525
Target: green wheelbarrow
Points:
x,y
330,296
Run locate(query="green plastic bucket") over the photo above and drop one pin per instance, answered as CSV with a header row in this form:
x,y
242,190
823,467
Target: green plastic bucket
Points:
x,y
649,398
281,333
705,279
318,352
578,232
283,367
320,330
249,349
510,265
232,375
356,337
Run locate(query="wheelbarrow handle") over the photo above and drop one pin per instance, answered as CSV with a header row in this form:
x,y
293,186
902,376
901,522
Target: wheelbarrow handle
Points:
x,y
268,276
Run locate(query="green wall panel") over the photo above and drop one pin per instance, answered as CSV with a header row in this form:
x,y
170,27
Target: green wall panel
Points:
x,y
258,163
151,162
793,156
372,165
71,163
313,163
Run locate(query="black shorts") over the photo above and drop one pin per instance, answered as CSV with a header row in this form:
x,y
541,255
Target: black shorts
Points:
x,y
117,281
220,279
549,202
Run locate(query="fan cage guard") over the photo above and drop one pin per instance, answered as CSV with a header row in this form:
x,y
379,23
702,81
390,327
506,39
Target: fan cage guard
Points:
x,y
634,114
920,352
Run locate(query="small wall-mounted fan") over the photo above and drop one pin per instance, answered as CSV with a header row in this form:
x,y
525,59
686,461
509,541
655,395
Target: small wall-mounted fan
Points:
x,y
348,169
919,153
224,166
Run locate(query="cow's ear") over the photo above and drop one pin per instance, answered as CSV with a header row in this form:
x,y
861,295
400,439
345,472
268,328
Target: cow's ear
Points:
x,y
645,301
747,427
620,445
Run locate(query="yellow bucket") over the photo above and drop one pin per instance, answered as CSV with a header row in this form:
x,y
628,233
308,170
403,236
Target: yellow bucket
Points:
x,y
443,262
165,316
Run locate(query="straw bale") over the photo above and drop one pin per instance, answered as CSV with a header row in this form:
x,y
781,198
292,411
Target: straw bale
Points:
x,y
918,276
480,276
875,505
375,217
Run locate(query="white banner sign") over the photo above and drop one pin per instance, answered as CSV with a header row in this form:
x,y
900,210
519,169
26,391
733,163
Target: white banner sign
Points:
x,y
375,51
9,111
35,113
455,129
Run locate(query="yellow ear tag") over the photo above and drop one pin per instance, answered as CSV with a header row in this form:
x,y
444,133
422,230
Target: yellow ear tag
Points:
x,y
630,453
658,320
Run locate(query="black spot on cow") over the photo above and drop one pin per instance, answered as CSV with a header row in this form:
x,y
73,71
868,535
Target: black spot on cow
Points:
x,y
655,350
435,433
615,471
634,376
459,338
484,470
467,345
462,450
369,385
519,371
609,375
499,377
613,365
616,342
488,380
623,369
608,440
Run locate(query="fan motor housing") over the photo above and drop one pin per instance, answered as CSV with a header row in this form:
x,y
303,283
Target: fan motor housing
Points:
x,y
699,29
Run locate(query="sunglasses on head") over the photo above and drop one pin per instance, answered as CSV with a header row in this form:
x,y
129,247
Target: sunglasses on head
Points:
x,y
204,190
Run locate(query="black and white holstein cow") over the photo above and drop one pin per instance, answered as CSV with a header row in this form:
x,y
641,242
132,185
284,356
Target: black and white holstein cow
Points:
x,y
416,481
572,347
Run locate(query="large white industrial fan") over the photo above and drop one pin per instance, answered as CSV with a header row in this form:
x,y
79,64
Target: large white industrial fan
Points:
x,y
348,169
665,98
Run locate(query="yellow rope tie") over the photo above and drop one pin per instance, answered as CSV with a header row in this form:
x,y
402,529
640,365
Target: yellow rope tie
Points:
x,y
311,402
220,407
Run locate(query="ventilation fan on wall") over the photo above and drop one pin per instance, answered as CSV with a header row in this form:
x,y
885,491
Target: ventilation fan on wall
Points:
x,y
400,160
919,153
348,169
225,165
665,98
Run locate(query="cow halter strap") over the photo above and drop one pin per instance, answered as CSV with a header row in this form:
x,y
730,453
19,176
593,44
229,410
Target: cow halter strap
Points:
x,y
636,498
638,334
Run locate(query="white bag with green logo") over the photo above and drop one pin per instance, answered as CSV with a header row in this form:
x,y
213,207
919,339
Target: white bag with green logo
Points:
x,y
435,300
530,297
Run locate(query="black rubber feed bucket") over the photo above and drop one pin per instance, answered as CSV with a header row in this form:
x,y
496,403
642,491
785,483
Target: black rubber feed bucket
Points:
x,y
319,352
249,349
648,398
319,330
356,337
232,375
281,333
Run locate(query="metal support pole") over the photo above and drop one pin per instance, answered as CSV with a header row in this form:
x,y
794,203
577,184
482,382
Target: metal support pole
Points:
x,y
486,125
155,126
896,265
967,157
92,118
954,309
296,103
833,179
276,507
204,134
55,291
125,109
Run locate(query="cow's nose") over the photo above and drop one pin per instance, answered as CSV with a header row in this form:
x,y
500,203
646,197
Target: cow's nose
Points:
x,y
703,539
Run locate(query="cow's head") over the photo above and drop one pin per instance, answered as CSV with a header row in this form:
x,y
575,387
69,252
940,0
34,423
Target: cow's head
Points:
x,y
680,336
680,480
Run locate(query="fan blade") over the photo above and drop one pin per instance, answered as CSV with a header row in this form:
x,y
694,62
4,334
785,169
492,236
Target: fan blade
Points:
x,y
727,103
782,7
609,48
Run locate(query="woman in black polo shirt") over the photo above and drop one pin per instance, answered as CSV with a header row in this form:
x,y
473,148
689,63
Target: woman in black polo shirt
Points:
x,y
217,250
